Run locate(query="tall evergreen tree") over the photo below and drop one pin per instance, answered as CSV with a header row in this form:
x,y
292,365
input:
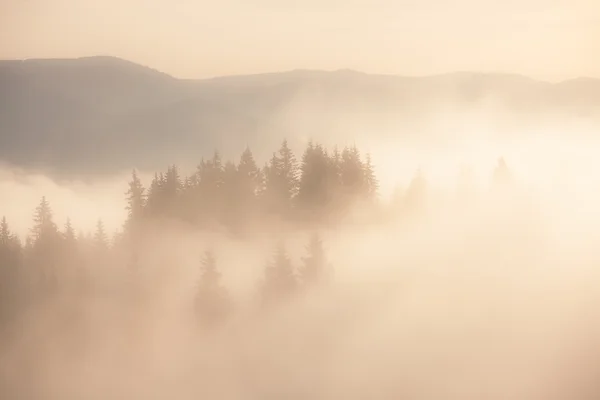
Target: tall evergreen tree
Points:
x,y
371,182
10,266
416,193
282,180
280,280
314,268
154,201
172,185
251,178
44,227
314,187
100,237
135,201
212,301
352,168
45,244
209,192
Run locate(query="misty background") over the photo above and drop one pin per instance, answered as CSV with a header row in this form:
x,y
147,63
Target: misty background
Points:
x,y
316,200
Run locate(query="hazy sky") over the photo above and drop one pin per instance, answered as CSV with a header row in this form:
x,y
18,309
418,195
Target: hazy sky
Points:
x,y
548,39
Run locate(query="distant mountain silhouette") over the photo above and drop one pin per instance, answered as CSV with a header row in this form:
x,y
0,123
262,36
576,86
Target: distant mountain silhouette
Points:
x,y
103,114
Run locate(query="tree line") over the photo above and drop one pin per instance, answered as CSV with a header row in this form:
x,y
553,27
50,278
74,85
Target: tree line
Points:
x,y
237,196
319,189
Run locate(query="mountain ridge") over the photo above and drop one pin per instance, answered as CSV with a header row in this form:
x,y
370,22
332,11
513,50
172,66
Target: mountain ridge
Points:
x,y
104,114
115,61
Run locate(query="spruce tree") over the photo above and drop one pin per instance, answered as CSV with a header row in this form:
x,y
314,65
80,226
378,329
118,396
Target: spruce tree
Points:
x,y
135,202
155,196
416,193
10,266
45,254
371,182
282,180
314,266
352,173
280,280
209,190
314,191
44,227
100,240
212,302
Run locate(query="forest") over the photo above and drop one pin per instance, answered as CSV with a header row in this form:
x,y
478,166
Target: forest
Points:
x,y
73,300
316,193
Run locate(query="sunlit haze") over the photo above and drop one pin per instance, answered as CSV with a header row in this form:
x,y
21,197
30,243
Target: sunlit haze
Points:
x,y
313,200
545,39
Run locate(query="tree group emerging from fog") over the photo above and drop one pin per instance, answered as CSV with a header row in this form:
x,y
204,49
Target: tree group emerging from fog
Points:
x,y
239,198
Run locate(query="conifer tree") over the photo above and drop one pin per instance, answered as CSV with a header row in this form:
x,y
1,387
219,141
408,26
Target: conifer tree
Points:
x,y
71,260
44,255
282,180
154,199
135,201
250,177
44,227
100,237
314,189
210,185
314,268
352,172
371,182
280,280
415,196
172,185
212,302
10,266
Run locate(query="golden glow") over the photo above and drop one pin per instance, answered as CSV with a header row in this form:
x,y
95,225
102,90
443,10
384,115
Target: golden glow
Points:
x,y
552,39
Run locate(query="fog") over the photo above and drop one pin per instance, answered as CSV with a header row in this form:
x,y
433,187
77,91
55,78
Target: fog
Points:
x,y
488,295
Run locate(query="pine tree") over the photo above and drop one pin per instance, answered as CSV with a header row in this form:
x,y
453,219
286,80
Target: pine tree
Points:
x,y
10,246
371,182
314,191
231,206
45,254
282,180
212,302
10,263
251,178
5,233
71,259
100,237
415,196
44,226
352,176
172,185
209,192
314,266
280,280
288,170
154,200
135,201
69,232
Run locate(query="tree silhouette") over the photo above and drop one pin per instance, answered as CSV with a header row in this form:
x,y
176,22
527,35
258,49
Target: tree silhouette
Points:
x,y
212,300
282,180
135,202
10,265
371,181
280,281
314,268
